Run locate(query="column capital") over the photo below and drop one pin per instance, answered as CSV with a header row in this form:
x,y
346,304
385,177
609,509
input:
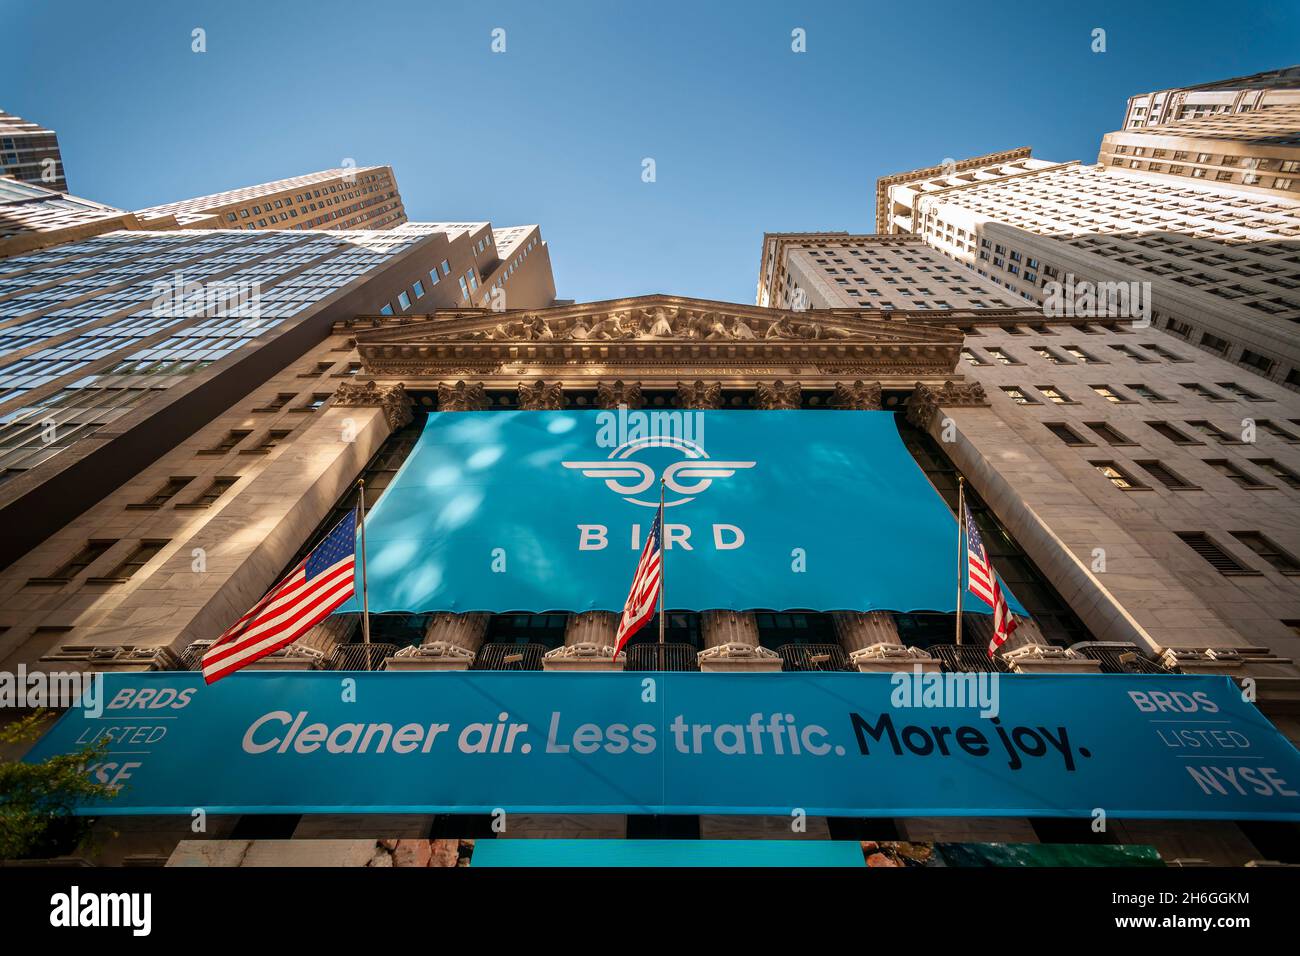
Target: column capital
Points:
x,y
538,396
462,397
612,395
926,400
698,395
778,395
858,396
391,398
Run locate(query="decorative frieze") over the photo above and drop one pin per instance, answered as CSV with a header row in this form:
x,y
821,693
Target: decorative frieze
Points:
x,y
858,396
926,400
391,398
462,397
539,396
1047,658
888,657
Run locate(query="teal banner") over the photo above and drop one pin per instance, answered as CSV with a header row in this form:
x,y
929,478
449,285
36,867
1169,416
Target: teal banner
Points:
x,y
540,511
832,744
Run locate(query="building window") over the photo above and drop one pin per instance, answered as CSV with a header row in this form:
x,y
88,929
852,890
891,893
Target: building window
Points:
x,y
1173,434
1278,471
1066,433
1055,395
144,552
1150,394
215,489
1214,343
1111,435
1196,388
1270,552
972,358
269,441
387,309
166,493
1276,430
1118,477
1214,431
1256,361
1241,392
1166,476
418,289
404,300
464,289
446,267
1219,559
1229,470
1018,395
232,439
317,400
92,552
1084,357
1002,356
277,403
1108,393
1044,352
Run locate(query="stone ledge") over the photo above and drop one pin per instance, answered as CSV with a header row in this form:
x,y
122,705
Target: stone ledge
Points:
x,y
434,656
1046,658
582,656
887,657
116,657
738,657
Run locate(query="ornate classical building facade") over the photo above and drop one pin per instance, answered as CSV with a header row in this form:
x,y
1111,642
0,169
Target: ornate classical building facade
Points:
x,y
1075,437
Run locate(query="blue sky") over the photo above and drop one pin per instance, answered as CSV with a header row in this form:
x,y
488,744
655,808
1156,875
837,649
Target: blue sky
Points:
x,y
746,135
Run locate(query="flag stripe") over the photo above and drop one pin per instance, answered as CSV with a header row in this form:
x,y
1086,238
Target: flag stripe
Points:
x,y
305,597
646,582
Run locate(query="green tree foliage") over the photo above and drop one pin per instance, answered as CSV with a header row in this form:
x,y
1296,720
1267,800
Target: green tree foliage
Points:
x,y
37,799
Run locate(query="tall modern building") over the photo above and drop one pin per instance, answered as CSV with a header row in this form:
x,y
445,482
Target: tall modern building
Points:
x,y
1220,259
33,217
115,349
1240,94
1256,150
362,197
30,153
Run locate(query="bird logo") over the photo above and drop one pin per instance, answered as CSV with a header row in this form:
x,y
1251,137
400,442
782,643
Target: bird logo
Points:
x,y
688,478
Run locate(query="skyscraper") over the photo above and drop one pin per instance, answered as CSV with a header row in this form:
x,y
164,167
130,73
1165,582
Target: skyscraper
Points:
x,y
114,349
30,152
1256,150
1238,94
1212,263
362,197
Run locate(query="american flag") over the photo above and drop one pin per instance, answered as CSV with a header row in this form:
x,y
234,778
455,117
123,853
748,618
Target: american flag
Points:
x,y
979,574
640,606
1003,623
302,600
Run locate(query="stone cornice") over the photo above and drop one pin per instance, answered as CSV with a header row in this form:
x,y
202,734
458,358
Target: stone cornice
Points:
x,y
929,172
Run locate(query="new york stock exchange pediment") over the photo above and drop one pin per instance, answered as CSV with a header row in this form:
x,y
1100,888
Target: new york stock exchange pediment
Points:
x,y
656,341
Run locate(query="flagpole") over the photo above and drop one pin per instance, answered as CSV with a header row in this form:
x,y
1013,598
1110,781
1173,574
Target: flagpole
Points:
x,y
961,532
365,596
663,560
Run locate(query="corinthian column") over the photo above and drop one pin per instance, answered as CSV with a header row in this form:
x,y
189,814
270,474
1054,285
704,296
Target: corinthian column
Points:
x,y
871,640
588,644
731,643
450,643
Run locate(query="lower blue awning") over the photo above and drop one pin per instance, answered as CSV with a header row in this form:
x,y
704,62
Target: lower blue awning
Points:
x,y
644,853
